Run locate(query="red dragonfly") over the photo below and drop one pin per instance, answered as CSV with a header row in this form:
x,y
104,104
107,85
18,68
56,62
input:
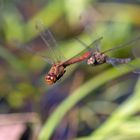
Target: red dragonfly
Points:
x,y
93,57
58,67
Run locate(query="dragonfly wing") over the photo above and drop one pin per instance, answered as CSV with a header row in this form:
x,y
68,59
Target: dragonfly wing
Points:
x,y
49,41
81,42
88,48
96,44
126,44
30,49
47,59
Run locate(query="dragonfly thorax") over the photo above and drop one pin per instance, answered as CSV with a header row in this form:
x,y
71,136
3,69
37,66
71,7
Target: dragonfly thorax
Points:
x,y
55,73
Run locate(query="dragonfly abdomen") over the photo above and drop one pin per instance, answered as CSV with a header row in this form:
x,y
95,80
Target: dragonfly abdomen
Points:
x,y
85,56
122,60
116,61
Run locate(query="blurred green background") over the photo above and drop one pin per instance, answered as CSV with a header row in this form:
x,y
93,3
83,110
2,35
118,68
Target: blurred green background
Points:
x,y
88,103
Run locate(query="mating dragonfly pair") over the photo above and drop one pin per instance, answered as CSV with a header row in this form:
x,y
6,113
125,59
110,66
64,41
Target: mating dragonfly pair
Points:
x,y
93,56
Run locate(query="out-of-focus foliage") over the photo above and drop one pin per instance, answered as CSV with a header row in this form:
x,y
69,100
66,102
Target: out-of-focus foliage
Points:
x,y
88,102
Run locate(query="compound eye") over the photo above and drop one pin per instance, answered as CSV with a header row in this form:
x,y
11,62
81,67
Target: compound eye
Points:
x,y
48,77
51,77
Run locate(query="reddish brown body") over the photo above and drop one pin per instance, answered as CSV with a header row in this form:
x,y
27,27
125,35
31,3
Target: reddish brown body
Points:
x,y
93,57
58,70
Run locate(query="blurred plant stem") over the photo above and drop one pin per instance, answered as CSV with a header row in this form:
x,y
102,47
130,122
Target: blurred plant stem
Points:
x,y
125,111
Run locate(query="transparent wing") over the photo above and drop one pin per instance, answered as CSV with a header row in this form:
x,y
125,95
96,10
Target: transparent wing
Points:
x,y
91,47
126,44
33,49
47,59
97,44
49,41
80,41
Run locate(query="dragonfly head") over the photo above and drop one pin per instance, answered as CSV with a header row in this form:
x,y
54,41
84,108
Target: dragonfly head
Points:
x,y
55,73
50,79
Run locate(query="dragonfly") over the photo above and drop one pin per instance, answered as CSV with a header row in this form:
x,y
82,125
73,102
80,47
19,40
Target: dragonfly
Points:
x,y
91,54
97,57
58,66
